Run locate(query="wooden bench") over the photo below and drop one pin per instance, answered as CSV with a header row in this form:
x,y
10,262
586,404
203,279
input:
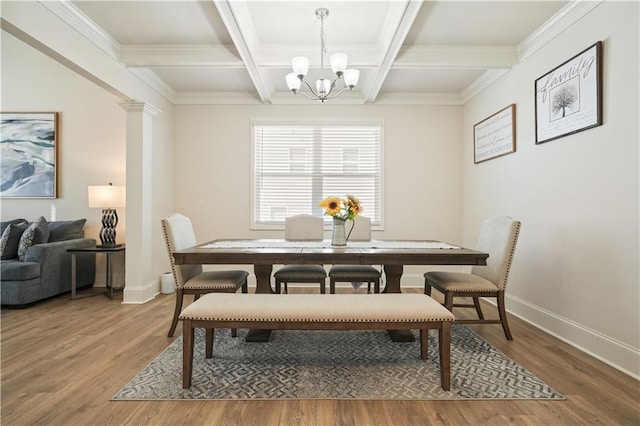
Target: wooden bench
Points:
x,y
317,312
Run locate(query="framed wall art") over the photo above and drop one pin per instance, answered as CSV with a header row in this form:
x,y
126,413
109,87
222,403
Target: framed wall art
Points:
x,y
495,136
28,145
569,97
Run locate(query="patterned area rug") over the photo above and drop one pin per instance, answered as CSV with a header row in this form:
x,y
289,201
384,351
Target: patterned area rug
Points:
x,y
335,365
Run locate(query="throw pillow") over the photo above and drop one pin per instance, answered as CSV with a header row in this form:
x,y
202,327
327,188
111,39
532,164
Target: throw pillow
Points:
x,y
36,233
5,225
66,230
4,238
10,240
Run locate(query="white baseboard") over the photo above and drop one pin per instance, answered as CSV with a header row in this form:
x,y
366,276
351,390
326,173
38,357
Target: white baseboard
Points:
x,y
617,354
138,295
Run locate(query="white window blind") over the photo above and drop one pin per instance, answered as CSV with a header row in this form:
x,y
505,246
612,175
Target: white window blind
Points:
x,y
296,166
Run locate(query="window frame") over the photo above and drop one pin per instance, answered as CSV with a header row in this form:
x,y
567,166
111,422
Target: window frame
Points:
x,y
315,122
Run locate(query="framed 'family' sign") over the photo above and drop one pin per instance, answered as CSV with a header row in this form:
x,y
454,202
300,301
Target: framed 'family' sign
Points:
x,y
495,136
569,97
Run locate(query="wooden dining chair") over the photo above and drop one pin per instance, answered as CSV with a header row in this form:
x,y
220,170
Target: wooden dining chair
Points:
x,y
302,227
191,279
356,274
498,237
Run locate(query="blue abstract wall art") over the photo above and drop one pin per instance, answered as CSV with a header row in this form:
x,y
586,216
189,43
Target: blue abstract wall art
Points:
x,y
28,143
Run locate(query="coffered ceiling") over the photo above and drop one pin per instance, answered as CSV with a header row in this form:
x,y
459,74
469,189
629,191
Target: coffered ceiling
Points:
x,y
240,51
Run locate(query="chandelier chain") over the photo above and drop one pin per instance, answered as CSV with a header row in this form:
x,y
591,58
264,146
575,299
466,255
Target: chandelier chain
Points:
x,y
323,41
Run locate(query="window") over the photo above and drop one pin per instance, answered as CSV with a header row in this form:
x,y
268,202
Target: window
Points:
x,y
296,166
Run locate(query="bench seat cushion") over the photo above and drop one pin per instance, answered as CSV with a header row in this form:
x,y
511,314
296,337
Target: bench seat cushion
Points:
x,y
399,307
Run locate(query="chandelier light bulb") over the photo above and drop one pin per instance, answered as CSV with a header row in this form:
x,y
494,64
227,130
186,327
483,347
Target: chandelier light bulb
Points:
x,y
338,63
323,86
351,77
300,66
293,81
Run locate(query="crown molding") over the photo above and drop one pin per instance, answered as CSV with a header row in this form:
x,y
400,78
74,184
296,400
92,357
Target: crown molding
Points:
x,y
478,85
155,82
80,22
571,13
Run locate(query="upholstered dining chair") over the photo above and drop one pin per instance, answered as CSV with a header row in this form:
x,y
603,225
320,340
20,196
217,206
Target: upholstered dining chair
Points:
x,y
356,273
191,279
498,237
300,228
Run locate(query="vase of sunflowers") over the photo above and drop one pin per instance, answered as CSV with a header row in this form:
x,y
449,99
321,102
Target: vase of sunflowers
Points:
x,y
341,209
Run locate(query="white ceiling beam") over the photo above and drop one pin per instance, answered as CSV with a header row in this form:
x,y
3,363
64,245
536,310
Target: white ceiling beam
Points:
x,y
409,14
280,56
235,19
179,56
456,57
420,57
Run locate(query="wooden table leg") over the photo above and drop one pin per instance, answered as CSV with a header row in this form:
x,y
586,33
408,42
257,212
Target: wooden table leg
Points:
x,y
393,273
263,285
263,278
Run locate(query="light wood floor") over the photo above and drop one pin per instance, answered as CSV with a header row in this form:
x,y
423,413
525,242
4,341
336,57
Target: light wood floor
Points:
x,y
62,361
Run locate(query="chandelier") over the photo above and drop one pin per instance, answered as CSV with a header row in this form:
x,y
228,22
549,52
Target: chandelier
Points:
x,y
324,88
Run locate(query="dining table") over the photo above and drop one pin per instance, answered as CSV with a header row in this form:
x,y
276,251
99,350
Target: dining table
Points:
x,y
392,255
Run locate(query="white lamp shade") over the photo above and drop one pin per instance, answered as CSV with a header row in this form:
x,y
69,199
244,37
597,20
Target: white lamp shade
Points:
x,y
300,65
351,77
323,86
293,81
338,63
107,196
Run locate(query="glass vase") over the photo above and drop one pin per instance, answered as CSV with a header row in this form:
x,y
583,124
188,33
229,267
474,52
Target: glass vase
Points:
x,y
339,235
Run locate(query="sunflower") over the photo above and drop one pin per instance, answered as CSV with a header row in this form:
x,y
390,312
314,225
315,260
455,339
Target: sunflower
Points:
x,y
331,205
353,205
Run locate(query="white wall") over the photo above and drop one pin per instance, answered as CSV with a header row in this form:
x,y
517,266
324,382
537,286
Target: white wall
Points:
x,y
423,186
576,269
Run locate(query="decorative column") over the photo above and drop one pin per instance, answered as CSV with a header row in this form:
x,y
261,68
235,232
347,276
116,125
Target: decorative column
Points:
x,y
140,285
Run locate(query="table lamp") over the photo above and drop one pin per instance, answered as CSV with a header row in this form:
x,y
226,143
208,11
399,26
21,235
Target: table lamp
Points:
x,y
108,197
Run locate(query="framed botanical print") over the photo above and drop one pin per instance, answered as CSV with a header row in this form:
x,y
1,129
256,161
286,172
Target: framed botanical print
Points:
x,y
28,154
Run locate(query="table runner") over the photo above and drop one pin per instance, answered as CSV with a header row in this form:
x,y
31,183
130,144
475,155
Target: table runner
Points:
x,y
379,244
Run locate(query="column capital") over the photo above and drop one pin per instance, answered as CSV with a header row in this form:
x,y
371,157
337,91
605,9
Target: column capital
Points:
x,y
144,107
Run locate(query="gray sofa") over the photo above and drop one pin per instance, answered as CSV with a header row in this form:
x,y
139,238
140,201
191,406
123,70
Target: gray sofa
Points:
x,y
45,268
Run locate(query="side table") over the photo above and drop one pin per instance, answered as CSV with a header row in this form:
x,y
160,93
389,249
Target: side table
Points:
x,y
109,251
